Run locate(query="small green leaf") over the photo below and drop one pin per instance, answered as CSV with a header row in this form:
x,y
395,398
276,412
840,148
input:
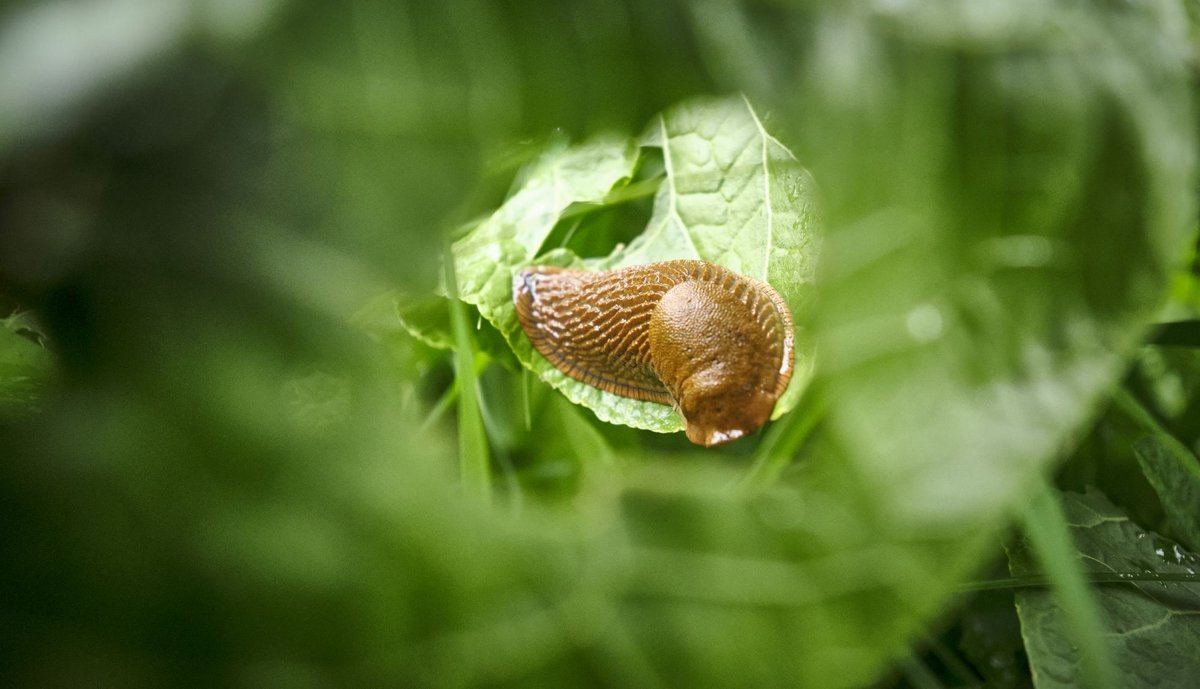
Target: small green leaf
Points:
x,y
1152,628
732,194
486,258
427,319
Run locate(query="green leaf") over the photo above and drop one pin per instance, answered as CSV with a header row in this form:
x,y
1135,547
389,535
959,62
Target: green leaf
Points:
x,y
486,258
1152,628
969,320
732,194
1171,469
1175,474
427,319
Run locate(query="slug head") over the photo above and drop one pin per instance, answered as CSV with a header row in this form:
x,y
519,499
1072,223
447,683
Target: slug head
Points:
x,y
721,353
718,408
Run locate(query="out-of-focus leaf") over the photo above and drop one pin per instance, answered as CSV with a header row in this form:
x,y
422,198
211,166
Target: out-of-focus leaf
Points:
x,y
390,110
318,401
969,317
25,368
732,194
1153,628
1169,377
1183,302
58,58
426,319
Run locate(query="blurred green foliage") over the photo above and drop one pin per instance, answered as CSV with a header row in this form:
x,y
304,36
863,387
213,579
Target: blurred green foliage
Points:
x,y
227,460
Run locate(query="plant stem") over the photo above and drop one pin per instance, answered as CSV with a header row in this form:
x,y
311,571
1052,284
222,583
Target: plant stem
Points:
x,y
1045,524
473,458
1041,581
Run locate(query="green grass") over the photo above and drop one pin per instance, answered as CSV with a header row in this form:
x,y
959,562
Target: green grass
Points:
x,y
473,456
1046,527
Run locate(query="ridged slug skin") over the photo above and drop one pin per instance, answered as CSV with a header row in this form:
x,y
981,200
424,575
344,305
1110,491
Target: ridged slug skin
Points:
x,y
714,344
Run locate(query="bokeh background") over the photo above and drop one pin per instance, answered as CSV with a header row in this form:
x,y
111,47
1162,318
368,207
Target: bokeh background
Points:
x,y
225,462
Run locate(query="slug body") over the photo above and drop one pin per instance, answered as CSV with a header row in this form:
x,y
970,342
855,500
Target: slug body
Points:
x,y
714,344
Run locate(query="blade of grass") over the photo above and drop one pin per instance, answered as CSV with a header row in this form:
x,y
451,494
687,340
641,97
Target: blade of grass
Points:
x,y
1136,411
918,674
1045,525
961,672
494,427
528,415
473,460
780,445
1091,577
449,397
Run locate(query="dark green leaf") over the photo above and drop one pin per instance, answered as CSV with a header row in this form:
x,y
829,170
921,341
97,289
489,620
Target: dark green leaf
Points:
x,y
1175,474
1152,629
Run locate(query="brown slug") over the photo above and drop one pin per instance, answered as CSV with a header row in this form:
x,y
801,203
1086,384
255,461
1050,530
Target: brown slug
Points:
x,y
714,344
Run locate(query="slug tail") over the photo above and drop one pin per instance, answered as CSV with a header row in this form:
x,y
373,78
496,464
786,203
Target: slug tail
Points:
x,y
555,307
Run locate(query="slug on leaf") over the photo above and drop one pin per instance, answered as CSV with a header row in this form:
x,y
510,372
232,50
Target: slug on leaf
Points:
x,y
714,344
